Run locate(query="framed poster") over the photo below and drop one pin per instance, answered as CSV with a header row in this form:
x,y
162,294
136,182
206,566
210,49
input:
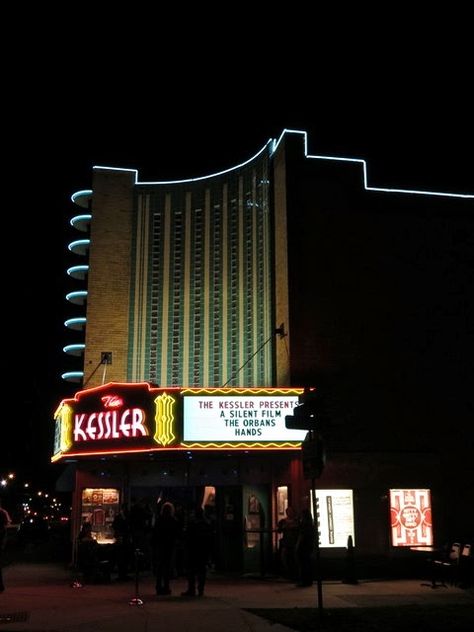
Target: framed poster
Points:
x,y
410,517
99,508
253,505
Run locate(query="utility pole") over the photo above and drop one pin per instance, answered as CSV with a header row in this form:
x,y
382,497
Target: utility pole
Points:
x,y
306,416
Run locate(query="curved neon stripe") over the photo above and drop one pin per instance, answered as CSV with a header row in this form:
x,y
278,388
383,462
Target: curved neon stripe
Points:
x,y
79,243
75,347
70,322
212,175
364,167
77,219
80,194
69,375
73,295
75,269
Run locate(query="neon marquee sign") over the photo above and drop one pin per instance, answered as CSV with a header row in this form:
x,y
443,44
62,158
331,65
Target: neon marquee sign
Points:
x,y
116,418
127,418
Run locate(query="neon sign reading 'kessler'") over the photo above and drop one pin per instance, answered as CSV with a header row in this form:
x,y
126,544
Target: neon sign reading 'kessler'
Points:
x,y
111,424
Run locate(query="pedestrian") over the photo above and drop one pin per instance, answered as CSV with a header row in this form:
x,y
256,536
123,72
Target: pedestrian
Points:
x,y
140,521
123,543
5,521
304,548
87,553
165,534
288,527
198,544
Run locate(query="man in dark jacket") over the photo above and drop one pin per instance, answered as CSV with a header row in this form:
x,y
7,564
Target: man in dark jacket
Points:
x,y
164,537
197,542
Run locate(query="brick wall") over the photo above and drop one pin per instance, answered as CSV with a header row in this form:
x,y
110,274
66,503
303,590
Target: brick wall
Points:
x,y
109,275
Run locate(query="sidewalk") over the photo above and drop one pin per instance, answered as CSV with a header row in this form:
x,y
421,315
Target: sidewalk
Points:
x,y
40,598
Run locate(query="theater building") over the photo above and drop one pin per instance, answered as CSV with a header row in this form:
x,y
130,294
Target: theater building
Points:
x,y
201,308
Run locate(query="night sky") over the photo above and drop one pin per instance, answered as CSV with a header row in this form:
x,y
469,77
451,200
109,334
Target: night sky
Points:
x,y
412,120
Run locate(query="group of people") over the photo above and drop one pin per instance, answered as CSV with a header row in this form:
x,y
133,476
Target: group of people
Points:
x,y
296,546
172,542
197,536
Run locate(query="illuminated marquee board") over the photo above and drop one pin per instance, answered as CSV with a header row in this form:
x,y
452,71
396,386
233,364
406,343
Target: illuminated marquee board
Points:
x,y
335,517
238,417
410,517
126,418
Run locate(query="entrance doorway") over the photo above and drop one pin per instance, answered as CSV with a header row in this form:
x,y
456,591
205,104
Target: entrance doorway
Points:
x,y
240,515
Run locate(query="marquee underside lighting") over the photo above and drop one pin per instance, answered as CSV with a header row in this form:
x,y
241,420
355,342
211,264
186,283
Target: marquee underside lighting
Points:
x,y
242,446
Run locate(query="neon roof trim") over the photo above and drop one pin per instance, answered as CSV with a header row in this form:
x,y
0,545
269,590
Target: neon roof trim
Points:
x,y
365,173
272,145
212,175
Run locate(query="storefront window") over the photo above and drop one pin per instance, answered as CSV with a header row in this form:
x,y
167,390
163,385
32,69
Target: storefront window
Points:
x,y
99,508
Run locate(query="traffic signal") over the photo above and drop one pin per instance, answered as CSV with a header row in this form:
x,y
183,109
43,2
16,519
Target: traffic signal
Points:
x,y
308,412
299,420
311,403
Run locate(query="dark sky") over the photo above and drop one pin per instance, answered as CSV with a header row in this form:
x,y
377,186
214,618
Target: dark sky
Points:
x,y
77,103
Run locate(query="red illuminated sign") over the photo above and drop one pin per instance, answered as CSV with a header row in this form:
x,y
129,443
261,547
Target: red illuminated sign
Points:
x,y
410,517
116,418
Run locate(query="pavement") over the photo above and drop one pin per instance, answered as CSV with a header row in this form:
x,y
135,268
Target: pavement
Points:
x,y
41,598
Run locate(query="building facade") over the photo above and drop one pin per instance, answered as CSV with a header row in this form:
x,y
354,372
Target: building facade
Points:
x,y
289,270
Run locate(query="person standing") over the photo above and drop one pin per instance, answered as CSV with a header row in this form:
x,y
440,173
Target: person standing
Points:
x,y
288,527
304,548
198,542
165,534
123,546
5,521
